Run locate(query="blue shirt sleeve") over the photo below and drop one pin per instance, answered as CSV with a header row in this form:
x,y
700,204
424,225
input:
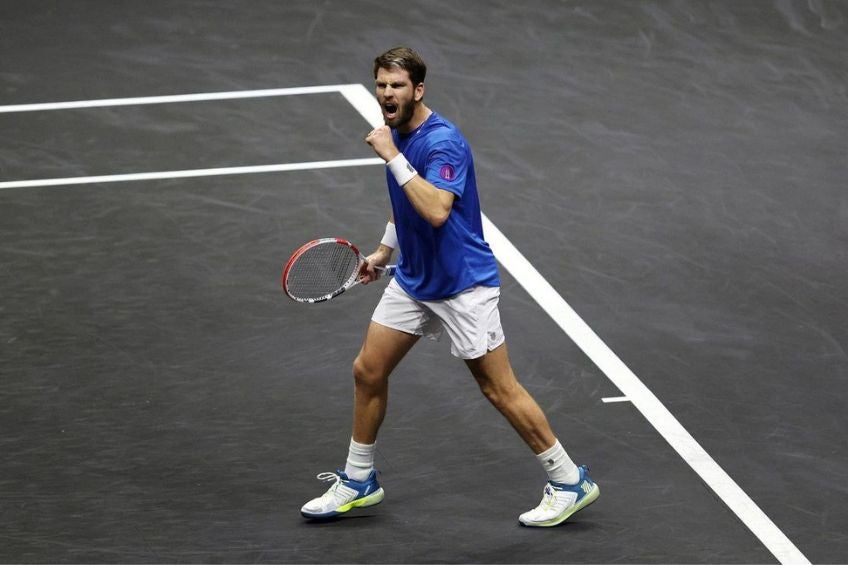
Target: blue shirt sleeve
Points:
x,y
447,166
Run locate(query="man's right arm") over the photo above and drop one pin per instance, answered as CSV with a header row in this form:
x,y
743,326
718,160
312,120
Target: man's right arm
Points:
x,y
381,256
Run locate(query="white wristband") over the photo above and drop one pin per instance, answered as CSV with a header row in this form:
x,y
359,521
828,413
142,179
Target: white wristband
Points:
x,y
401,169
390,237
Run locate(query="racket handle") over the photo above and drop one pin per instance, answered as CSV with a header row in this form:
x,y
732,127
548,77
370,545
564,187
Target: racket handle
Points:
x,y
388,270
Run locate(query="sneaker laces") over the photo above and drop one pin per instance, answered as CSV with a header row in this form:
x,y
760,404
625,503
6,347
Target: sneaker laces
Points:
x,y
548,498
327,478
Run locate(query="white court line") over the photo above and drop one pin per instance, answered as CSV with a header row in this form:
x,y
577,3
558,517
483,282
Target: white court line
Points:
x,y
551,302
608,362
349,91
171,99
610,399
642,398
282,167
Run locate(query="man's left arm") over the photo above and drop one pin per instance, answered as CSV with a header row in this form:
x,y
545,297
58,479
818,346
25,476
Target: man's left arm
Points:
x,y
432,203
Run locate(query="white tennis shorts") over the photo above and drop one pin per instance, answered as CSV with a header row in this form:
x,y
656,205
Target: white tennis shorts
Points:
x,y
470,318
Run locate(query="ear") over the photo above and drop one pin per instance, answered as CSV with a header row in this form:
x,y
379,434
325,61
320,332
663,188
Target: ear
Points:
x,y
419,92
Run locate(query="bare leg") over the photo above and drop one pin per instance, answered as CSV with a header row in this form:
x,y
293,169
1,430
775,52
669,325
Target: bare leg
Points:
x,y
382,350
497,381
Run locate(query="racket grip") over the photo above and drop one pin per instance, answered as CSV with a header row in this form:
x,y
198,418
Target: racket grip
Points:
x,y
388,270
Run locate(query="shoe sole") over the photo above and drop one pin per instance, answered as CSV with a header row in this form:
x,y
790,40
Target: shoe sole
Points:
x,y
590,497
375,497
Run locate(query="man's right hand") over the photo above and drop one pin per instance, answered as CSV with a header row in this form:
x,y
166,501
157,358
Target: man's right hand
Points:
x,y
380,258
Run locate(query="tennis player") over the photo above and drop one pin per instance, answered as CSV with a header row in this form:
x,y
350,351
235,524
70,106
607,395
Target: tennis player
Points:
x,y
446,281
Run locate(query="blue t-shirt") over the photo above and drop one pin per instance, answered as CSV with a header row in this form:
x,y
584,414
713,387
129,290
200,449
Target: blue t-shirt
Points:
x,y
438,263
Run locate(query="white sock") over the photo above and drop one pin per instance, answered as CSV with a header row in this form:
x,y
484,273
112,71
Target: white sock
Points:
x,y
360,460
559,466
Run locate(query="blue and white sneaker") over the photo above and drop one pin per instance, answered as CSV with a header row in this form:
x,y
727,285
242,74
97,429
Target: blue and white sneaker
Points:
x,y
559,501
345,494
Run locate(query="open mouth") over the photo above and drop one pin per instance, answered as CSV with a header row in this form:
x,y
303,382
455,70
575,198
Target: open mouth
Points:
x,y
390,109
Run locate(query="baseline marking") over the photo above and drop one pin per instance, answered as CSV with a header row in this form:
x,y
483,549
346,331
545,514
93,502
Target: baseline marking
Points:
x,y
609,363
642,398
518,266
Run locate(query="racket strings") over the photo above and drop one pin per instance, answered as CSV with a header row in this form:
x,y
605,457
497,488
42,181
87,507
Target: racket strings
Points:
x,y
322,270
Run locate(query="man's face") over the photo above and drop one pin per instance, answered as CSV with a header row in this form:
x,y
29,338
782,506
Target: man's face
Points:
x,y
397,96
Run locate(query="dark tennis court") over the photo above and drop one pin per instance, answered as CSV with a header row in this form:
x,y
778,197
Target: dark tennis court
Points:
x,y
675,171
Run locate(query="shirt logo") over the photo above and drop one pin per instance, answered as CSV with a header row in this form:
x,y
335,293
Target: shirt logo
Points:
x,y
447,172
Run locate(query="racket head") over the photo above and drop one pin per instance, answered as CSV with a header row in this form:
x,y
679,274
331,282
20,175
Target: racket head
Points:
x,y
321,269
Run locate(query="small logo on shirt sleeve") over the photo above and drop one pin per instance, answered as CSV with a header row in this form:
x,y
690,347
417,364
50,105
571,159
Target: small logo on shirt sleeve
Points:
x,y
447,172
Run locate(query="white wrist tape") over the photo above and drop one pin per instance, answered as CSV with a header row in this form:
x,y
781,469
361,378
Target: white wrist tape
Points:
x,y
390,237
401,169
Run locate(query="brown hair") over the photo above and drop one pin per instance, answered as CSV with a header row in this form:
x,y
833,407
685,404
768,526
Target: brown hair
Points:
x,y
406,59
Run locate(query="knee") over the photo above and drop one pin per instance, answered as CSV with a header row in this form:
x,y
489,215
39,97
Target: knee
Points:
x,y
500,395
367,375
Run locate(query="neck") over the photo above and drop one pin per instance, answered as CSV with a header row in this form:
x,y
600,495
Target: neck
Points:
x,y
419,116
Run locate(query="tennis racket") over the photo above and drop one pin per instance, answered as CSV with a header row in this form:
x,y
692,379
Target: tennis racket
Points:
x,y
323,269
